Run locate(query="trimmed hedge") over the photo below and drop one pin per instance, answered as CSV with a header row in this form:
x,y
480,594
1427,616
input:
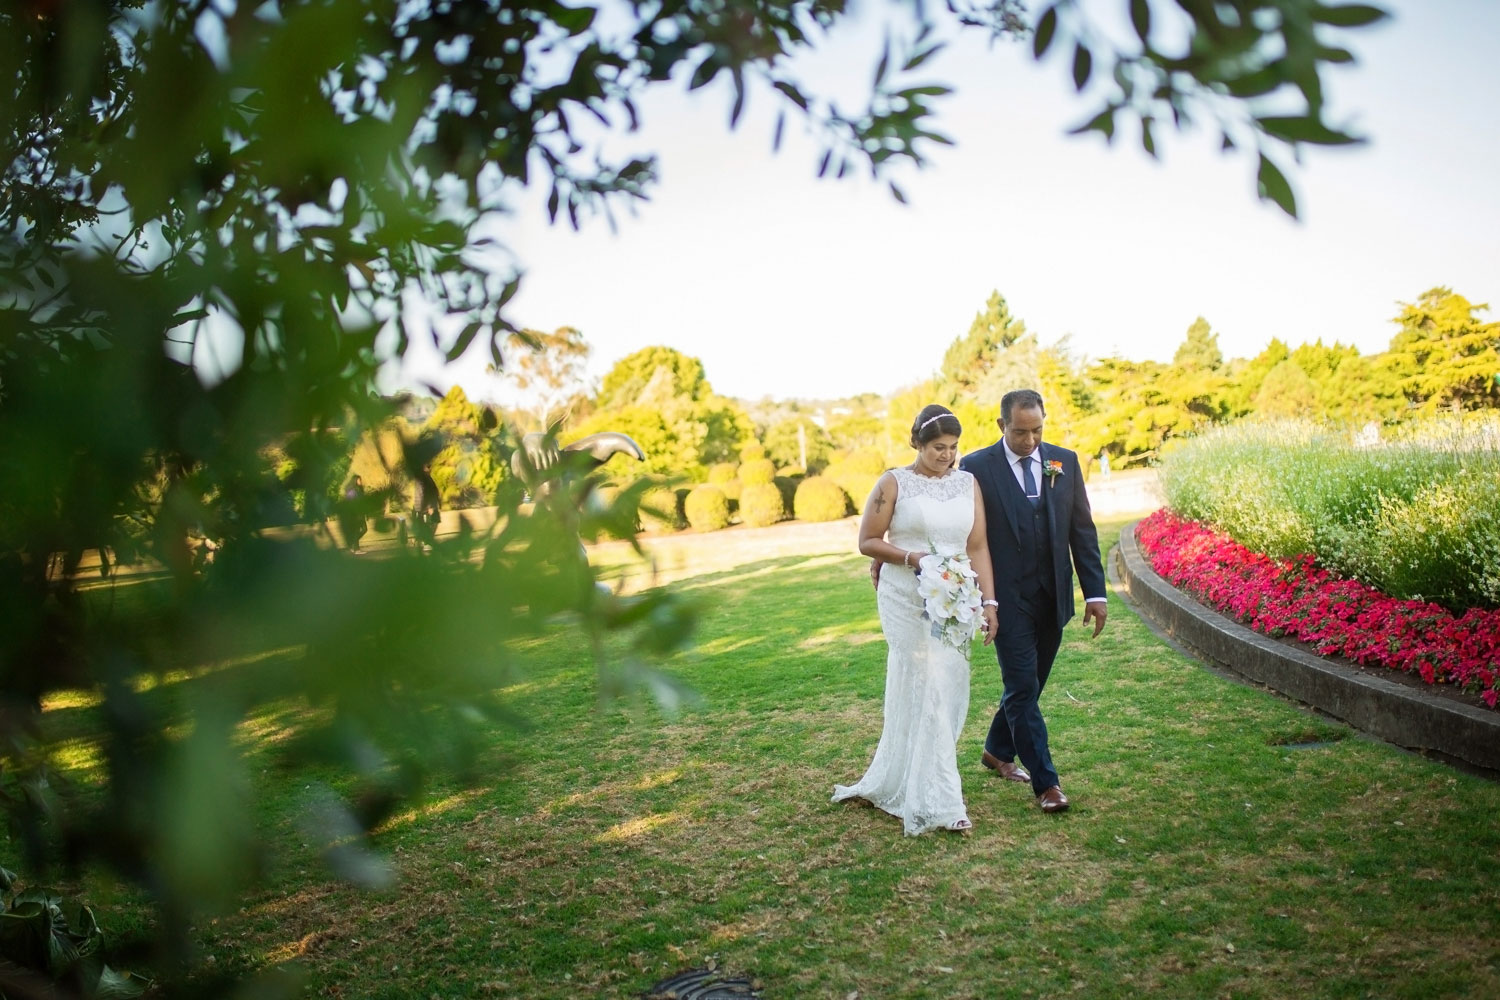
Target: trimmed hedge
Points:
x,y
758,470
707,508
722,472
760,505
857,473
820,499
662,507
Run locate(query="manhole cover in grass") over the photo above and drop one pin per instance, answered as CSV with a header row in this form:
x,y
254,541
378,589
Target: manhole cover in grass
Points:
x,y
702,984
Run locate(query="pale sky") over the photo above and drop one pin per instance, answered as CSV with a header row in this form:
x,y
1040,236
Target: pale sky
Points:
x,y
788,286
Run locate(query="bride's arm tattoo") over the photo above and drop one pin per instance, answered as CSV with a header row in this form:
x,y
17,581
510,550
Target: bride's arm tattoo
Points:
x,y
877,501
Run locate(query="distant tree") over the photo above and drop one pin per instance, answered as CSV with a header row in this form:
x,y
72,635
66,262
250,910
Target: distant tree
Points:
x,y
464,449
1349,387
1134,413
1199,350
653,374
549,370
1245,377
1067,392
860,429
662,399
971,357
1194,384
1287,392
790,441
1444,357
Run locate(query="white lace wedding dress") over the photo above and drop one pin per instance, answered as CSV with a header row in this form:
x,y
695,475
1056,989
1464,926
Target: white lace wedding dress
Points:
x,y
914,774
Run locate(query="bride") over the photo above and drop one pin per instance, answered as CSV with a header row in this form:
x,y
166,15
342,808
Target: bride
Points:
x,y
927,510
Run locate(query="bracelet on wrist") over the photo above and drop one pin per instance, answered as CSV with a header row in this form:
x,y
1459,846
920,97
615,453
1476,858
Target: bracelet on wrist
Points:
x,y
990,604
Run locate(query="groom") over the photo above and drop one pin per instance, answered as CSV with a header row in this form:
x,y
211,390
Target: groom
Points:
x,y
1037,514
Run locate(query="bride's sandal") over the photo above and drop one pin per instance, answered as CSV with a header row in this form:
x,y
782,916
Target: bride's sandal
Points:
x,y
959,826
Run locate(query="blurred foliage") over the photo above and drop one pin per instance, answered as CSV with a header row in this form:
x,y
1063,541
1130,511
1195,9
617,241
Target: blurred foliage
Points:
x,y
51,945
661,507
468,455
549,370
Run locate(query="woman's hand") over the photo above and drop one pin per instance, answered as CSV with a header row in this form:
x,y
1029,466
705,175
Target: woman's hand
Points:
x,y
991,624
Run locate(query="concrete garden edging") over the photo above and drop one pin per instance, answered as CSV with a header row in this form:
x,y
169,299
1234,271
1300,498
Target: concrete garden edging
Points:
x,y
1365,700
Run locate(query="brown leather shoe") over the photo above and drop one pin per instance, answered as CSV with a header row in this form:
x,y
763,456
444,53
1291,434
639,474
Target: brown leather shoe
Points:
x,y
1052,800
1008,769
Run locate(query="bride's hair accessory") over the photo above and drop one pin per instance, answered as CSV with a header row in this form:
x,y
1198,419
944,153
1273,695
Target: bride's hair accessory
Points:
x,y
932,422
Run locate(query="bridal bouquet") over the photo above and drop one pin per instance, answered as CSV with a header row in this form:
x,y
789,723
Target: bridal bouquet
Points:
x,y
949,590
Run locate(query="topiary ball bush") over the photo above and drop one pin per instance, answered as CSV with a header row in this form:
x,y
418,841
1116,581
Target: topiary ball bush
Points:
x,y
722,472
662,508
732,489
820,499
707,508
758,470
761,504
751,451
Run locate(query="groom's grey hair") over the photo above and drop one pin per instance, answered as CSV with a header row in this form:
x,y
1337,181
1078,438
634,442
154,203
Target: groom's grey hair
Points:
x,y
1022,399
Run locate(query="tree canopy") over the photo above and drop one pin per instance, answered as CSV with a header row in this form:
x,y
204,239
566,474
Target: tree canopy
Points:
x,y
1444,356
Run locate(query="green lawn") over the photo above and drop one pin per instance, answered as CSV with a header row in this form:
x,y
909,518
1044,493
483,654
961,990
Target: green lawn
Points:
x,y
1201,858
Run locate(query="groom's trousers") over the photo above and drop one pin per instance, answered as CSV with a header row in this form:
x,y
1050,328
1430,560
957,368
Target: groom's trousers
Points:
x,y
1026,651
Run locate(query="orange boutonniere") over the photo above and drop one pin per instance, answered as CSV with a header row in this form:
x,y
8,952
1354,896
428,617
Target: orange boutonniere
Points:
x,y
1052,470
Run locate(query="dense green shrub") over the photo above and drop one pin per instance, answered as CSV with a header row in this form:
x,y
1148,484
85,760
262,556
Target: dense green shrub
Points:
x,y
757,470
722,472
788,487
857,472
661,507
750,451
731,488
707,508
820,499
1442,545
761,504
1417,517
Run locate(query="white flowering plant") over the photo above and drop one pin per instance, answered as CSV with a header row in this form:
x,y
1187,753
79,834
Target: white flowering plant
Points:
x,y
949,589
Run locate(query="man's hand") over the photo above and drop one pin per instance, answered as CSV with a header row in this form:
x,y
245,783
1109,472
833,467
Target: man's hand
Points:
x,y
1098,611
875,573
991,624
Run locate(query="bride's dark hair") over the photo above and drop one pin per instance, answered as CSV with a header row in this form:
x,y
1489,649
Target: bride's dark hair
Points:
x,y
933,422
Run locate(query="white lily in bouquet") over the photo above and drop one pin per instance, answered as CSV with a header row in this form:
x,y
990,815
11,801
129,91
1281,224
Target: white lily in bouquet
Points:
x,y
949,589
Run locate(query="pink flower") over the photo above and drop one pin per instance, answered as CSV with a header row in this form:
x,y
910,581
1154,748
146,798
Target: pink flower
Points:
x,y
1297,598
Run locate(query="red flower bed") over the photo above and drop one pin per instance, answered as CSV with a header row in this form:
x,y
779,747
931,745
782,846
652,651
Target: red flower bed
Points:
x,y
1334,616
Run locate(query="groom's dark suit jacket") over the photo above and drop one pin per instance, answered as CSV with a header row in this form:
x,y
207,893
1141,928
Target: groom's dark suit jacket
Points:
x,y
1069,519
